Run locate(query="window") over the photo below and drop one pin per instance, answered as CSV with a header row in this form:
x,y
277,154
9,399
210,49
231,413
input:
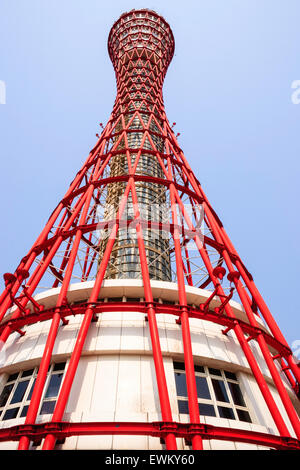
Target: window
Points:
x,y
219,393
16,394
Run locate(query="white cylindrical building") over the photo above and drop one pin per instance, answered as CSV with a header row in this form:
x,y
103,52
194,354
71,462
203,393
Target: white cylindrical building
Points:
x,y
115,381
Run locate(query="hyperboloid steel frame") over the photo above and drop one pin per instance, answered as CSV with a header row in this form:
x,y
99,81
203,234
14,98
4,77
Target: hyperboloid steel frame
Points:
x,y
141,46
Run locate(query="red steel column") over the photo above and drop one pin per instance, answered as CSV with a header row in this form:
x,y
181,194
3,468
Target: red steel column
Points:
x,y
258,298
249,282
282,428
185,326
43,369
7,330
263,346
72,367
157,354
151,314
5,301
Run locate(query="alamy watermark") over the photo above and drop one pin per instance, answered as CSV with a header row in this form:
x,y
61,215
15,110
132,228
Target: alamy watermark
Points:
x,y
2,92
296,94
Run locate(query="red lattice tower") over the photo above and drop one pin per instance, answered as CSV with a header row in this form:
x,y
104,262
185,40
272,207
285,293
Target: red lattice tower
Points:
x,y
138,165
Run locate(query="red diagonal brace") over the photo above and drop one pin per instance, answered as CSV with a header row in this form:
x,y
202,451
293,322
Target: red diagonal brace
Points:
x,y
222,306
204,307
24,310
235,322
21,332
36,306
68,306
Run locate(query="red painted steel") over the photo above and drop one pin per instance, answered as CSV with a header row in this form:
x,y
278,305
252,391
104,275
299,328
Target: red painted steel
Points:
x,y
62,430
184,319
139,138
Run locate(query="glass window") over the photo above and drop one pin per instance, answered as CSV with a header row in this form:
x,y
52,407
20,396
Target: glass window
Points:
x,y
5,394
236,394
53,387
12,377
199,369
11,413
179,365
183,407
17,392
27,373
24,411
206,410
230,375
226,412
219,393
180,384
215,371
31,390
202,387
59,366
47,407
244,415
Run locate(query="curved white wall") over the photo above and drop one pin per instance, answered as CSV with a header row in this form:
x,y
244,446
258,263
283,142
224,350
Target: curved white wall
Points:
x,y
115,380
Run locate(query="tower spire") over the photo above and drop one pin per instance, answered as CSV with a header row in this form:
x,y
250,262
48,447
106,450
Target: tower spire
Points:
x,y
136,233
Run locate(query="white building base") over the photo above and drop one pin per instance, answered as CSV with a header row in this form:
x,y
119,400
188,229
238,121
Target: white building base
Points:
x,y
115,380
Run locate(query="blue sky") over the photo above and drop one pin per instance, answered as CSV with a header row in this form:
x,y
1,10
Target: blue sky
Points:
x,y
228,89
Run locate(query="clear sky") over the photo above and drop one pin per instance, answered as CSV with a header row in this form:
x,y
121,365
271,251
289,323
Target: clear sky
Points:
x,y
228,89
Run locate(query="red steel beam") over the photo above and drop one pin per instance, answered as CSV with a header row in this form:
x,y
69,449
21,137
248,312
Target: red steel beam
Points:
x,y
45,362
155,341
142,83
185,327
75,357
111,306
61,430
272,406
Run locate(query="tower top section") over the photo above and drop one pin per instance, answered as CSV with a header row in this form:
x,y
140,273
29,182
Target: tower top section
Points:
x,y
140,30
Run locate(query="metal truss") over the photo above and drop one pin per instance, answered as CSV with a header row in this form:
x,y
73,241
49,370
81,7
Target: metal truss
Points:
x,y
70,249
